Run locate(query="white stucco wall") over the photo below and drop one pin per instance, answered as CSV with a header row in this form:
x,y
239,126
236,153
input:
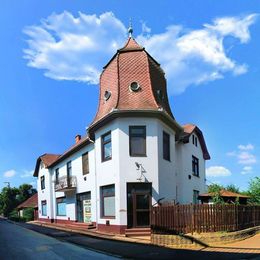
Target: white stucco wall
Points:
x,y
44,194
82,184
170,179
186,185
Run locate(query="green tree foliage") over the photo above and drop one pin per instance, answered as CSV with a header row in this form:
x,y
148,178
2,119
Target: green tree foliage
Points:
x,y
25,192
232,188
254,191
10,198
213,188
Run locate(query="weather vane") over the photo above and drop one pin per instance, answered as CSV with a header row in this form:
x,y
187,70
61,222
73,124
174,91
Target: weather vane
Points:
x,y
130,29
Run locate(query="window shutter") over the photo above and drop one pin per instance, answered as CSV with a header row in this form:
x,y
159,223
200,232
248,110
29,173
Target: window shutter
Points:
x,y
85,164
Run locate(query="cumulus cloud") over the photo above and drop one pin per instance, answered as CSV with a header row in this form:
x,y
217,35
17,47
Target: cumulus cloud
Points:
x,y
217,171
76,48
27,174
244,154
9,173
73,48
247,170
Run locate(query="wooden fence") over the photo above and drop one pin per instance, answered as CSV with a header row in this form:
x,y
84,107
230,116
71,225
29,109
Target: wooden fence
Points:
x,y
203,218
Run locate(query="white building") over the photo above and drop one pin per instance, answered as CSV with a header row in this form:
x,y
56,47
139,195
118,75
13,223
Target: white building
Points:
x,y
134,155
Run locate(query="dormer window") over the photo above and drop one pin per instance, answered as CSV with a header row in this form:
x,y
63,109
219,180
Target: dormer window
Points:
x,y
107,95
134,86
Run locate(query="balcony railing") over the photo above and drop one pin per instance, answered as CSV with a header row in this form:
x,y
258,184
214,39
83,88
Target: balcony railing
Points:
x,y
66,183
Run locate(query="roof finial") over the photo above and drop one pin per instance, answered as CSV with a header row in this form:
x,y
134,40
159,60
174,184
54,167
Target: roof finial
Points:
x,y
130,29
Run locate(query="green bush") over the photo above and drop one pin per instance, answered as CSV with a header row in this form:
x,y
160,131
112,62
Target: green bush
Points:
x,y
28,214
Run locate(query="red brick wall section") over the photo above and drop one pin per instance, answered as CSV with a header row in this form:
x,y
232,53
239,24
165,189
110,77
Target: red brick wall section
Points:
x,y
117,229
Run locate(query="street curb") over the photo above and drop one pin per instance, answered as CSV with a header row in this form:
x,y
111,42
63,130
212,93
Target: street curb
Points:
x,y
96,235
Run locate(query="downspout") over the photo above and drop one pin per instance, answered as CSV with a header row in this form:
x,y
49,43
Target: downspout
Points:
x,y
95,180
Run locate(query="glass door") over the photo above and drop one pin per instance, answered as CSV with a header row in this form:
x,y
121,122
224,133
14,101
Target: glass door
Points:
x,y
138,204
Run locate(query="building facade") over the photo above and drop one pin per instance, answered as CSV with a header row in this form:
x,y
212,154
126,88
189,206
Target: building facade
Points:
x,y
134,155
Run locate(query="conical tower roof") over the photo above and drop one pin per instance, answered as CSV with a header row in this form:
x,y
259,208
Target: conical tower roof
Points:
x,y
132,81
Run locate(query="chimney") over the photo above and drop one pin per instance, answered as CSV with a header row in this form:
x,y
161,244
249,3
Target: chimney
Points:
x,y
77,138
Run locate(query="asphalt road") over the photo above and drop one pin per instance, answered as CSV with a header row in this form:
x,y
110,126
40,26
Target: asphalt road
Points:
x,y
36,242
17,242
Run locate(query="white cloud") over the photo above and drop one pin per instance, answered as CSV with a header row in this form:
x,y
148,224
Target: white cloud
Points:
x,y
217,171
244,154
76,48
70,48
9,174
246,158
247,170
246,147
27,174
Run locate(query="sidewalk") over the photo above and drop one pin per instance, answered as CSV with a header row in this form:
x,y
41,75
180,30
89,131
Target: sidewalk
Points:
x,y
93,232
250,245
118,245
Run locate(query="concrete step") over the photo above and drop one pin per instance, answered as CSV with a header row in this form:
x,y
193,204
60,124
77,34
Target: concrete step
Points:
x,y
135,232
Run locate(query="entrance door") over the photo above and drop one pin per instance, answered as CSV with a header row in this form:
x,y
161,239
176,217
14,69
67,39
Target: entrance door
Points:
x,y
84,207
138,204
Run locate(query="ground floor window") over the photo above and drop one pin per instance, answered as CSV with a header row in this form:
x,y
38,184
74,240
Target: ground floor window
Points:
x,y
107,194
61,206
44,208
195,196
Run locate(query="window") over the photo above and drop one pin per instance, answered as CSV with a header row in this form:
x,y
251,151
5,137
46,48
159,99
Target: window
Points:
x,y
106,147
69,170
194,140
195,196
137,140
42,165
85,164
44,208
195,166
61,206
134,86
42,182
107,194
166,146
57,173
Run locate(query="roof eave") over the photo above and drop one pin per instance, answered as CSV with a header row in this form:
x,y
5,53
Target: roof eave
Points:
x,y
137,113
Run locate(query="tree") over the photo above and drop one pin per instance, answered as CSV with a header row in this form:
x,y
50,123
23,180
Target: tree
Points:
x,y
8,200
254,191
215,189
25,192
232,188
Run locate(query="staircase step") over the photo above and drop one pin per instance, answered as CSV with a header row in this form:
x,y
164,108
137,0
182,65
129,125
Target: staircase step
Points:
x,y
134,232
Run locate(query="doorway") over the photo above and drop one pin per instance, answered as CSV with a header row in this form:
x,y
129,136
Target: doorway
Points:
x,y
139,201
84,207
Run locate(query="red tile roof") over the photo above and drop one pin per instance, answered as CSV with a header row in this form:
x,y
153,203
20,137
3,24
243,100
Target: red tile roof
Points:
x,y
47,159
32,202
224,193
132,64
75,147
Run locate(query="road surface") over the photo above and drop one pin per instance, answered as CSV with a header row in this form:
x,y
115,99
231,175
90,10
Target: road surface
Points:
x,y
37,242
17,242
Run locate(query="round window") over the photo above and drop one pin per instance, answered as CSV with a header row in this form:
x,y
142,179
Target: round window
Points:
x,y
107,95
134,86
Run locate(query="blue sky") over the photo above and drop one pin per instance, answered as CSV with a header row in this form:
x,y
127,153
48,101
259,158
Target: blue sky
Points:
x,y
53,51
